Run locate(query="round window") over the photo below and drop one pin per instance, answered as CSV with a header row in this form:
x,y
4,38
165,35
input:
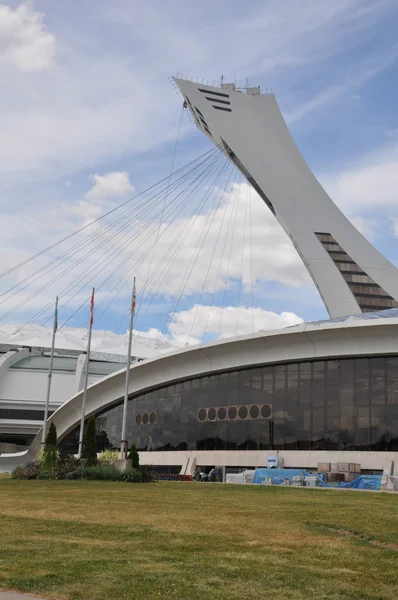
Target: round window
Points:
x,y
222,413
202,414
243,412
145,418
138,419
254,412
152,418
266,411
232,412
212,414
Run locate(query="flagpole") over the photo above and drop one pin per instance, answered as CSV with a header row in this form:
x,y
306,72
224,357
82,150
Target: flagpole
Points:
x,y
123,442
81,434
50,374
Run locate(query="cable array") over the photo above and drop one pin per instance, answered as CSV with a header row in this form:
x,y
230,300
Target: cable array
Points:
x,y
110,250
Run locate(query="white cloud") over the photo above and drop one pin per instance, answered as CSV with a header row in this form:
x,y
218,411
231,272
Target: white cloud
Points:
x,y
205,253
369,184
98,103
188,327
210,252
110,185
225,322
24,42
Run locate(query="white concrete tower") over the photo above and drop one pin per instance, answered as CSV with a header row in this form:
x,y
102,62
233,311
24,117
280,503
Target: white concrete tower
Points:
x,y
350,274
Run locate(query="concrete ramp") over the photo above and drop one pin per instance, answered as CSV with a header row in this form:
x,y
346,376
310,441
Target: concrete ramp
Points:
x,y
8,462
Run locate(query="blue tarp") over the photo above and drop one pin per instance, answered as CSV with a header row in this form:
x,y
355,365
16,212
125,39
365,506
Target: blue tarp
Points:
x,y
278,475
363,482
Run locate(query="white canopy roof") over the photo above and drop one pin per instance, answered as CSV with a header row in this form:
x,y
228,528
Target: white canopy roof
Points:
x,y
73,338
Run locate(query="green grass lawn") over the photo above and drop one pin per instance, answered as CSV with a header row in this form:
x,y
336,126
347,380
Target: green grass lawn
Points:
x,y
116,541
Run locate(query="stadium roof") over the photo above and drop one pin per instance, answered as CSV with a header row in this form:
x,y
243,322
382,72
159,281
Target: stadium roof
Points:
x,y
75,339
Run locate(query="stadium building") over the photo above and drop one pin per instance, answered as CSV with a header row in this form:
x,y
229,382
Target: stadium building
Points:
x,y
24,367
322,391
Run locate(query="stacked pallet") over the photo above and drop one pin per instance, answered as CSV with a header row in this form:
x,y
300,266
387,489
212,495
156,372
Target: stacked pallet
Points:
x,y
341,471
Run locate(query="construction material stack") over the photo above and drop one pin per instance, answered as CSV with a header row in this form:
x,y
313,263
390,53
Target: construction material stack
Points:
x,y
336,472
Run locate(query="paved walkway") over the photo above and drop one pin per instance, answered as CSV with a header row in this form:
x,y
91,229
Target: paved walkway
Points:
x,y
15,596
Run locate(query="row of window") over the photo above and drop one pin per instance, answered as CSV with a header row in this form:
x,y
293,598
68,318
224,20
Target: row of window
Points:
x,y
145,419
230,413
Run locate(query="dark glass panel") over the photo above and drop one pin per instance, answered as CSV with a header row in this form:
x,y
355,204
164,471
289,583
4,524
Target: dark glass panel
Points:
x,y
268,379
202,414
361,381
292,376
138,419
347,382
266,411
211,413
280,377
392,380
256,379
243,412
254,412
222,413
232,412
378,374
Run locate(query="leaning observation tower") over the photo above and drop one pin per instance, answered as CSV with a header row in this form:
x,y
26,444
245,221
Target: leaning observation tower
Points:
x,y
350,274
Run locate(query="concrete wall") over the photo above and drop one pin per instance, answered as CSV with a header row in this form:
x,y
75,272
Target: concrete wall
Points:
x,y
380,461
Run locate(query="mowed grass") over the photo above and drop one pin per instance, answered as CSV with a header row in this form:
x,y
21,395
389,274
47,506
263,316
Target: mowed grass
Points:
x,y
113,541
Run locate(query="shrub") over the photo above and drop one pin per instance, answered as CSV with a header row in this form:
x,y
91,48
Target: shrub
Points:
x,y
46,475
30,471
90,442
98,473
146,474
66,465
108,455
134,456
71,468
133,476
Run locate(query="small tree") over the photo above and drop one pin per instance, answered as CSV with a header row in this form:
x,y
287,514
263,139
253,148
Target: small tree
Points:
x,y
51,438
135,457
90,442
50,454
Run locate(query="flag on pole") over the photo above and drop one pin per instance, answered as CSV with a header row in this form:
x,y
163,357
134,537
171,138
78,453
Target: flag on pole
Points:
x,y
133,300
92,308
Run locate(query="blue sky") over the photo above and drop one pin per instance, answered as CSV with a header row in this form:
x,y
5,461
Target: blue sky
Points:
x,y
87,95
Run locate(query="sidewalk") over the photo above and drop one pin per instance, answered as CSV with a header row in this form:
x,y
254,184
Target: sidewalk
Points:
x,y
16,596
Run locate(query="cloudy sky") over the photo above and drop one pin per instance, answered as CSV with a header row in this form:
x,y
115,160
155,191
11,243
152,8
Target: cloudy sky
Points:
x,y
88,119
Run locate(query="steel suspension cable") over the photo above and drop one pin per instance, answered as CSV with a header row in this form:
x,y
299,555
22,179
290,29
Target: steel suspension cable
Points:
x,y
146,253
168,258
191,265
46,286
241,266
234,209
209,265
41,252
70,252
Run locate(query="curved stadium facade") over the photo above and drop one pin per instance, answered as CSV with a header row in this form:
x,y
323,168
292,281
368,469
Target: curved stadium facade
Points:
x,y
325,389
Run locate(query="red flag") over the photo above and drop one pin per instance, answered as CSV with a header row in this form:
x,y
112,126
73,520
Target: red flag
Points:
x,y
133,299
92,308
